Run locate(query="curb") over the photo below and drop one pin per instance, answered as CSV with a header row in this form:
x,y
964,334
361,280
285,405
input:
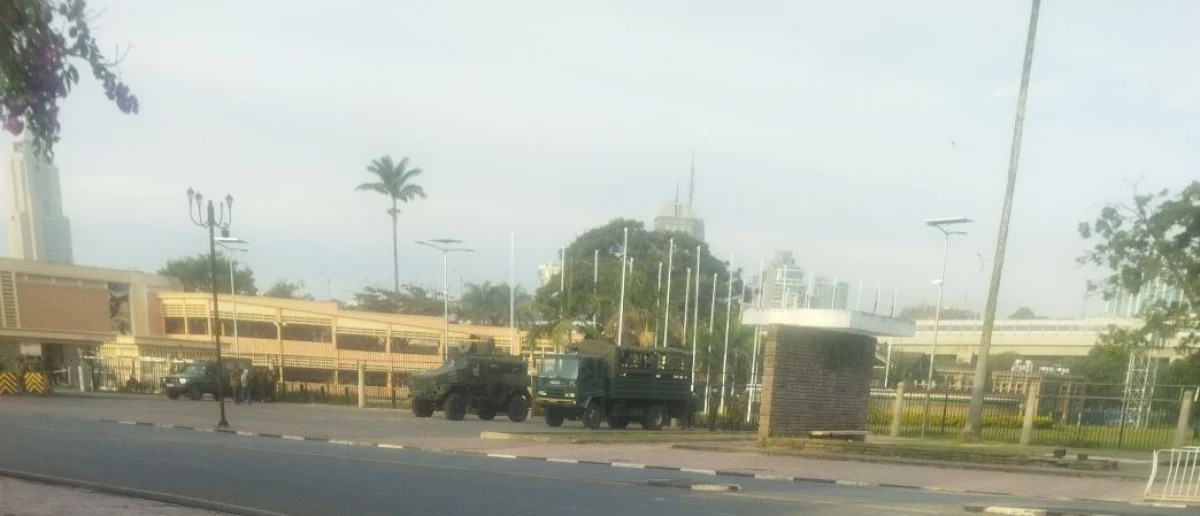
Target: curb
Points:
x,y
182,501
697,471
693,486
883,459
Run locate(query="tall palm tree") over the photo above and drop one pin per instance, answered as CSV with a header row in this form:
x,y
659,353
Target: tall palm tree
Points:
x,y
395,180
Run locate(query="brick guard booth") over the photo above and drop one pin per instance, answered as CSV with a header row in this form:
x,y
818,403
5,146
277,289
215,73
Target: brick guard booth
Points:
x,y
817,368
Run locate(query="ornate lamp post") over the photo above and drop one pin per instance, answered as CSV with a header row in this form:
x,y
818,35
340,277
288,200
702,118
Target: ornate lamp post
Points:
x,y
209,216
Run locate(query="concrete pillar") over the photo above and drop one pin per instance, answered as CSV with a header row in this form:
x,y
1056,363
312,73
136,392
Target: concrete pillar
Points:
x,y
897,411
1031,403
1185,415
362,383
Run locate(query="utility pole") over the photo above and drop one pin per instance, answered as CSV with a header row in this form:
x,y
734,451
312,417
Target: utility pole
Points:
x,y
971,429
445,245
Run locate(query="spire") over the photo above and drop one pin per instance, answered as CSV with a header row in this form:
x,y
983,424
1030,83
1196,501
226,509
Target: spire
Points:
x,y
692,183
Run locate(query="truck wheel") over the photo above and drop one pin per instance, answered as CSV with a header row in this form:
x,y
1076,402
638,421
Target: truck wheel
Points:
x,y
422,408
618,423
518,408
195,393
591,416
455,407
486,412
654,418
173,395
554,417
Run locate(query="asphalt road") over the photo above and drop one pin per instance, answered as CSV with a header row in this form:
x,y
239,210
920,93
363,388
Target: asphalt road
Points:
x,y
301,478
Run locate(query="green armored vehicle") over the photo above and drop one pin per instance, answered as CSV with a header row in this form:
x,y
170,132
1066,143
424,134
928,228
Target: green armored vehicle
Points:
x,y
475,379
597,381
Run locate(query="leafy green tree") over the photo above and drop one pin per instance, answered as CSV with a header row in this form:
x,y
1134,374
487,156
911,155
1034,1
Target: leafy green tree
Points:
x,y
487,303
411,300
1150,245
1023,313
284,289
43,41
593,307
395,181
195,274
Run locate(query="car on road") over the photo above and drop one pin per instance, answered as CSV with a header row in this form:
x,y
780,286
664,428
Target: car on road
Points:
x,y
200,377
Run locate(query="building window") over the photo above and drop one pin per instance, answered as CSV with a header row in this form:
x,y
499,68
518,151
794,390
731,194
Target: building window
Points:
x,y
307,333
359,342
197,326
173,325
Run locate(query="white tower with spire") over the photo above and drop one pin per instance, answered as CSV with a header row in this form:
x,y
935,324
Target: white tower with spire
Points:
x,y
679,217
37,228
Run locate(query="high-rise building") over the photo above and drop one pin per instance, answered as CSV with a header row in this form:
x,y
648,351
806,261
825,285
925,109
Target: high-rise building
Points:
x,y
828,293
784,283
37,229
680,217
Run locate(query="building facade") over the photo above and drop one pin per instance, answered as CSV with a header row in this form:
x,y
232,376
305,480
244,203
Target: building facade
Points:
x,y
829,293
677,217
37,228
784,284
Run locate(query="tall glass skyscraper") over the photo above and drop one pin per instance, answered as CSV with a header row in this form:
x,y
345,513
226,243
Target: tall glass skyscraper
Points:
x,y
37,228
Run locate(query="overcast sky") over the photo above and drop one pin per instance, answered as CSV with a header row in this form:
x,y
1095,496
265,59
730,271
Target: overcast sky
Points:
x,y
831,128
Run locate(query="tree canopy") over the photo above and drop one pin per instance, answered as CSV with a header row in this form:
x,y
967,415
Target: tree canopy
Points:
x,y
487,303
195,274
1150,247
43,43
411,300
1024,313
285,289
583,301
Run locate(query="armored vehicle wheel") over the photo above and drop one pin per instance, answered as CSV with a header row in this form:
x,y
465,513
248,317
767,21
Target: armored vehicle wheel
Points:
x,y
518,408
554,417
195,393
654,418
173,395
486,412
422,408
618,423
591,415
455,407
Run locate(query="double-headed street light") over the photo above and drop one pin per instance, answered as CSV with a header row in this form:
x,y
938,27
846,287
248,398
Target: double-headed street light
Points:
x,y
208,216
944,226
229,244
446,246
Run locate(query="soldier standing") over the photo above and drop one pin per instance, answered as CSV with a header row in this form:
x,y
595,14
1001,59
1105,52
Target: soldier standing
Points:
x,y
236,382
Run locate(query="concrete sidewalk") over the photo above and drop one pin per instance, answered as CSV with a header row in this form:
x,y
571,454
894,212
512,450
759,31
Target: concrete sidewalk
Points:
x,y
393,427
32,499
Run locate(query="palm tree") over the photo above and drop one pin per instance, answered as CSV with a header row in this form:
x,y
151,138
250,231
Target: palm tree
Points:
x,y
394,181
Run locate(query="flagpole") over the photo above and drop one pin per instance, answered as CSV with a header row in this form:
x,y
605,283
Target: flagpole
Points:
x,y
667,303
621,310
725,354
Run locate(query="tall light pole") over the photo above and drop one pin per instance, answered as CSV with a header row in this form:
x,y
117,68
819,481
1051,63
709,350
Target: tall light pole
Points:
x,y
208,216
512,292
667,303
972,427
621,305
942,225
446,246
758,302
228,244
696,321
725,354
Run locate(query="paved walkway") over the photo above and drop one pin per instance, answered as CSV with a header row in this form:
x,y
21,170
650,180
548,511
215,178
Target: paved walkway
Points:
x,y
22,498
401,428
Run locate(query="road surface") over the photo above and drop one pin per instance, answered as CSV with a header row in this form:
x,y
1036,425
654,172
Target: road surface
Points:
x,y
302,478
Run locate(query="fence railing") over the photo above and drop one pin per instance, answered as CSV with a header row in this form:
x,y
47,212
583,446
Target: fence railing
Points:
x,y
1175,475
1088,416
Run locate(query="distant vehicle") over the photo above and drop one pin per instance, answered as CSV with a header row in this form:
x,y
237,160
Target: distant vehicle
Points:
x,y
474,379
599,381
200,377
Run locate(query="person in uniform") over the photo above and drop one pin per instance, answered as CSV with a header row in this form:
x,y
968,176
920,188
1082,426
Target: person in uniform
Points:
x,y
236,382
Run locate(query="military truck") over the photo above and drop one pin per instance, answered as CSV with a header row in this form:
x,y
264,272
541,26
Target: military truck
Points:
x,y
598,381
199,377
475,378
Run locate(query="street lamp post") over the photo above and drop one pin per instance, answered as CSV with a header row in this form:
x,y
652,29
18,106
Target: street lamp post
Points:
x,y
445,246
941,225
208,216
228,243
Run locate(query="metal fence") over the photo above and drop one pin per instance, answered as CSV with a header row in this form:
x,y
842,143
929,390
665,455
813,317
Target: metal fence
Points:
x,y
1081,415
1175,475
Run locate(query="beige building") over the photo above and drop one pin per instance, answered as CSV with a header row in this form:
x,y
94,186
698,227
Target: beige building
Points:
x,y
125,329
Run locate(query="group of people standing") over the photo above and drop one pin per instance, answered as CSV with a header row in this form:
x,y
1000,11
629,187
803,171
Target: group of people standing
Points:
x,y
252,384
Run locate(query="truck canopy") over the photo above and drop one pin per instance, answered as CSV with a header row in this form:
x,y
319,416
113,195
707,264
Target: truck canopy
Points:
x,y
637,362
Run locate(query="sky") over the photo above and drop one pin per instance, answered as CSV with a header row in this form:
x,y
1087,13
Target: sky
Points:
x,y
830,128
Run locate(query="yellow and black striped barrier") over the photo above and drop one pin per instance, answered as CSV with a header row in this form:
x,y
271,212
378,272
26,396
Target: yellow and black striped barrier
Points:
x,y
8,383
35,383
